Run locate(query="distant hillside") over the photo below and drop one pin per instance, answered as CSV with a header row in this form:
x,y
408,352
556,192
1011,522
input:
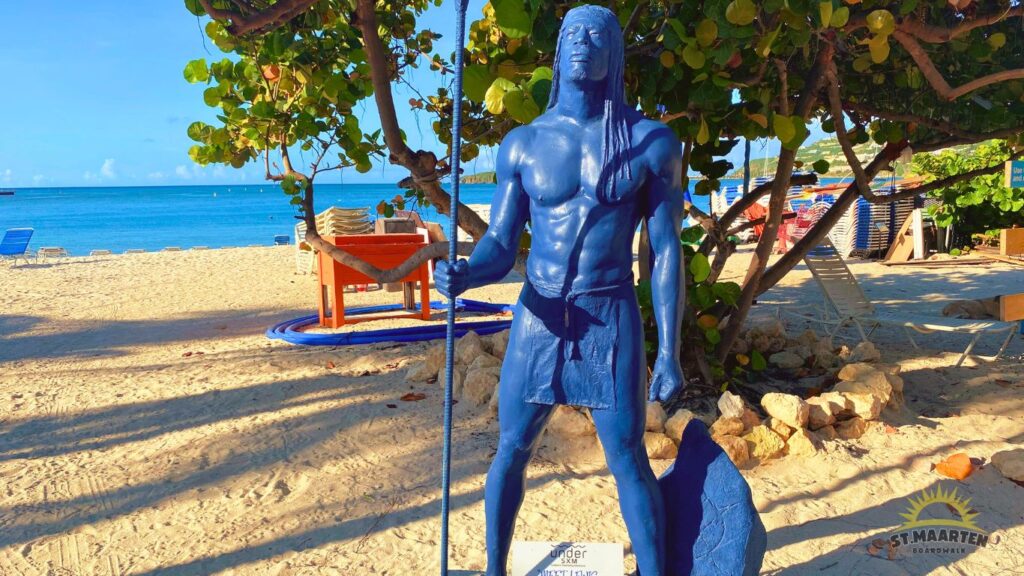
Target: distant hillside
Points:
x,y
827,149
480,178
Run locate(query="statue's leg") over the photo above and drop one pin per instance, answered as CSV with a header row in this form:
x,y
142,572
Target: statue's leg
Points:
x,y
622,434
521,424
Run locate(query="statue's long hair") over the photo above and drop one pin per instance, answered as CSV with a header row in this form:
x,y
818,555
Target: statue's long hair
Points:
x,y
615,146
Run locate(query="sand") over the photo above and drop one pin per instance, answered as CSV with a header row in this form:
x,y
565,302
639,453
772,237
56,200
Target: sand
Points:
x,y
148,427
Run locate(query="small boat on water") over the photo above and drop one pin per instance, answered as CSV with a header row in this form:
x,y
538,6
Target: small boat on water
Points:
x,y
6,192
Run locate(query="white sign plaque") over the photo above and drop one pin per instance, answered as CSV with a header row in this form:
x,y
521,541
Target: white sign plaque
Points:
x,y
567,559
1015,174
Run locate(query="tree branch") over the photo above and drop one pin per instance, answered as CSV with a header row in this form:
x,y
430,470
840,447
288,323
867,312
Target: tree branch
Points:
x,y
938,81
945,182
836,105
268,18
939,35
422,164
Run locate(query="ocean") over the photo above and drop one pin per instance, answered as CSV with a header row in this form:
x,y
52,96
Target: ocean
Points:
x,y
151,218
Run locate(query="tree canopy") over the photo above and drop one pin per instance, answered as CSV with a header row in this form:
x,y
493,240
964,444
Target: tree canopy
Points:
x,y
912,75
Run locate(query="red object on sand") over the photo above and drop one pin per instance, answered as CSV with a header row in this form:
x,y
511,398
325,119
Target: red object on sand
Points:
x,y
384,251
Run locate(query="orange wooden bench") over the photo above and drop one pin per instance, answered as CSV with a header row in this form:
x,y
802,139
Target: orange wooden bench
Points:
x,y
384,251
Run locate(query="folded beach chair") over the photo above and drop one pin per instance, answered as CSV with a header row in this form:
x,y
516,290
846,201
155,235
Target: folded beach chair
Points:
x,y
846,304
14,245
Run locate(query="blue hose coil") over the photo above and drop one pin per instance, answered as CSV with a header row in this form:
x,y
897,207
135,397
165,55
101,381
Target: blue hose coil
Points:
x,y
291,330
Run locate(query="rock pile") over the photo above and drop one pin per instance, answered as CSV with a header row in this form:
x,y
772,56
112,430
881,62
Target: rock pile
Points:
x,y
800,427
807,350
476,372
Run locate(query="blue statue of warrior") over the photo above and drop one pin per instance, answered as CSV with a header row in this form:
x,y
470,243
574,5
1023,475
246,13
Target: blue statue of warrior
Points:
x,y
583,174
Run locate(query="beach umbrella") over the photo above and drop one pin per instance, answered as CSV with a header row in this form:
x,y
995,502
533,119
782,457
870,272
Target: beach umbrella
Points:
x,y
453,239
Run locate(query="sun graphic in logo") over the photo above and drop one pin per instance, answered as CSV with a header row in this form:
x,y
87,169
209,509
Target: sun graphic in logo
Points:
x,y
961,506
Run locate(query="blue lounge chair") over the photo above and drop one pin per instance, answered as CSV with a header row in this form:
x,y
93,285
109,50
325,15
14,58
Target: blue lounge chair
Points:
x,y
15,244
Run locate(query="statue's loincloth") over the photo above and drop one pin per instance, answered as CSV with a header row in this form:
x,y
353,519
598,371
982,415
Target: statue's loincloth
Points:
x,y
579,348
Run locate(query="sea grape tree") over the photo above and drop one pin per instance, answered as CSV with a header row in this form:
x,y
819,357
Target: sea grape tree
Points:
x,y
912,75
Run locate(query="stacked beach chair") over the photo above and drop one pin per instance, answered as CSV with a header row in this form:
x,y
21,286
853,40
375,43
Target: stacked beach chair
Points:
x,y
331,222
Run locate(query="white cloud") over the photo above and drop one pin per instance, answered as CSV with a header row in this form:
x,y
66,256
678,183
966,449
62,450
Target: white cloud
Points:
x,y
107,170
182,172
88,176
7,174
38,179
155,176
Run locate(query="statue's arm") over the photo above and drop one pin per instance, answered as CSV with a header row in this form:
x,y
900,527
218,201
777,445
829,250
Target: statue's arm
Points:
x,y
495,254
664,214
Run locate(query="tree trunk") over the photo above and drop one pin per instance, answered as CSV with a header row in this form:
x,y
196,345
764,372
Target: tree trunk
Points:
x,y
763,251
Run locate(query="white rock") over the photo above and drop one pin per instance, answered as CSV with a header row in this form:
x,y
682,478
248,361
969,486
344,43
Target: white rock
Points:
x,y
865,352
457,375
771,328
727,427
659,446
779,427
820,413
764,443
569,422
469,348
749,419
499,343
485,361
492,406
803,443
876,383
866,406
435,358
786,359
856,371
655,417
730,405
741,346
803,352
480,384
809,338
852,429
791,409
735,448
419,372
675,425
841,406
1010,463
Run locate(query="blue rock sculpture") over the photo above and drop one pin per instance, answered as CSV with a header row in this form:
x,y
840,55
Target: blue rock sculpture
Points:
x,y
712,527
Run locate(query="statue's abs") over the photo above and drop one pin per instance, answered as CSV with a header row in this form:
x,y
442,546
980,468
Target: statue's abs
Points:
x,y
581,237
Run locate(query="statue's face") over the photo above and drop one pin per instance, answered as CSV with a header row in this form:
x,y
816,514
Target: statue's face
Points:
x,y
585,50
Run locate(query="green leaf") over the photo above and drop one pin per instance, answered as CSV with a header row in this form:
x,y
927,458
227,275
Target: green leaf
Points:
x,y
703,134
700,268
784,129
692,234
196,71
713,336
494,97
825,10
821,166
741,12
211,96
727,292
757,361
879,48
881,22
513,18
693,57
840,17
476,80
667,59
702,297
539,85
997,40
520,106
707,33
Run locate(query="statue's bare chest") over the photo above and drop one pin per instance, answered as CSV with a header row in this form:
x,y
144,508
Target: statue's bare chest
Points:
x,y
564,165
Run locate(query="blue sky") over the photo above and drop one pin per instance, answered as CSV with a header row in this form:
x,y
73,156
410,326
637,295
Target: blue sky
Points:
x,y
94,96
